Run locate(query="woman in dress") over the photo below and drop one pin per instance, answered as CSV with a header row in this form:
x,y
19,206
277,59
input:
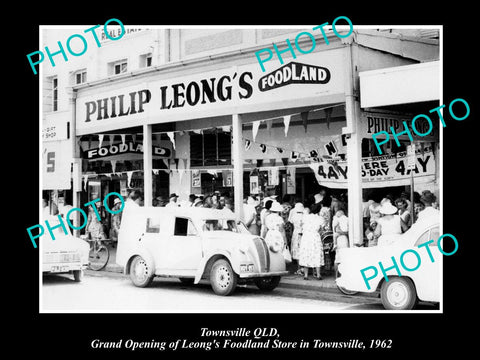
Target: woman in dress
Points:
x,y
311,249
389,226
402,206
296,218
275,237
94,228
287,225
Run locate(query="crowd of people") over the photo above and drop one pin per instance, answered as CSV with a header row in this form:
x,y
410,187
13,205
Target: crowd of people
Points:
x,y
299,227
302,230
384,221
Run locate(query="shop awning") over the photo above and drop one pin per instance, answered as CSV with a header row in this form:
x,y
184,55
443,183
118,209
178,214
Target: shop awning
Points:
x,y
400,85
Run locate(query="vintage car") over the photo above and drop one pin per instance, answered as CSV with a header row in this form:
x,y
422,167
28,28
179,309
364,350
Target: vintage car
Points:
x,y
65,254
193,244
399,292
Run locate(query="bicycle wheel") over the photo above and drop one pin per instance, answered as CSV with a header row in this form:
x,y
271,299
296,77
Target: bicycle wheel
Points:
x,y
98,257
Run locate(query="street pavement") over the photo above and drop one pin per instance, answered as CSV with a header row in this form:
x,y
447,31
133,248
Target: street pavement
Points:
x,y
107,292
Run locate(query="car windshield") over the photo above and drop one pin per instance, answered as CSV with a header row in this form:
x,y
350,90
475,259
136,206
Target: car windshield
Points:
x,y
220,225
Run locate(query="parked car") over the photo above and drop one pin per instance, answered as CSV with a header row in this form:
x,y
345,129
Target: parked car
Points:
x,y
65,254
400,292
193,244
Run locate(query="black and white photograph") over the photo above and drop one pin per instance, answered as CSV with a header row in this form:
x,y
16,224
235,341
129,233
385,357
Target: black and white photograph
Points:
x,y
260,187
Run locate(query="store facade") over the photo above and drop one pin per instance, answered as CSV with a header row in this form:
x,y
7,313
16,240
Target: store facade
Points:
x,y
224,125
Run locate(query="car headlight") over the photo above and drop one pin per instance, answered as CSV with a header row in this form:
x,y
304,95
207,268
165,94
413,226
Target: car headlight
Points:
x,y
276,246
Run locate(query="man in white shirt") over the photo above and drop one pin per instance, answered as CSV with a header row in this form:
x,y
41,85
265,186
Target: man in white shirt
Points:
x,y
172,201
428,198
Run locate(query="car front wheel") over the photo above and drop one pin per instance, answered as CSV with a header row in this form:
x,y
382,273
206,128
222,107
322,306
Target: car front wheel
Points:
x,y
267,283
222,278
398,294
140,273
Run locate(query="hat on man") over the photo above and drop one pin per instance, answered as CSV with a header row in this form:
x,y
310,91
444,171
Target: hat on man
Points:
x,y
298,207
388,209
276,206
116,201
173,195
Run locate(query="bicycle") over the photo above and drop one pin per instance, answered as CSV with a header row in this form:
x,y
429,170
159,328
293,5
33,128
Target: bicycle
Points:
x,y
99,254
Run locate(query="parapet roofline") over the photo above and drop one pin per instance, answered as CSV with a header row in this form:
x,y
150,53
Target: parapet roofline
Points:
x,y
418,48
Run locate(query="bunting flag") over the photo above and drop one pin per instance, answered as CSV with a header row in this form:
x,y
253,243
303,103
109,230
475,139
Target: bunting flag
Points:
x,y
185,163
225,128
111,138
328,116
304,116
280,150
156,171
294,156
123,138
198,132
158,138
134,138
269,126
272,162
171,135
248,143
85,182
286,123
255,126
285,161
129,178
167,163
263,147
176,163
100,140
113,163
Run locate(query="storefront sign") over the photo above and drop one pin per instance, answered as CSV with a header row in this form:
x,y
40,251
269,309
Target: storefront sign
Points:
x,y
373,122
254,189
54,129
379,171
123,148
316,80
56,165
196,182
273,176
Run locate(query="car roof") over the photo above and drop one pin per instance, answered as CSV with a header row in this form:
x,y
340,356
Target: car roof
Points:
x,y
191,212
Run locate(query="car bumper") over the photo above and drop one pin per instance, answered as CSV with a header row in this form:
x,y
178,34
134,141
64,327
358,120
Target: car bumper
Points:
x,y
63,267
264,274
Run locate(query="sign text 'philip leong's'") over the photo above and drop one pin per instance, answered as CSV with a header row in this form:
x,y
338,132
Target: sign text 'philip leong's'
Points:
x,y
174,96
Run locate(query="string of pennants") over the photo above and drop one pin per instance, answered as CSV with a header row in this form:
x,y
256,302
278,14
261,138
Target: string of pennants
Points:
x,y
331,148
227,128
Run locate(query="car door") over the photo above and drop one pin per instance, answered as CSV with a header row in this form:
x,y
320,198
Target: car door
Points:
x,y
428,277
185,246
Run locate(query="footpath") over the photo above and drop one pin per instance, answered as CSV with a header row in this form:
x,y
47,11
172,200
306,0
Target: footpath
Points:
x,y
292,280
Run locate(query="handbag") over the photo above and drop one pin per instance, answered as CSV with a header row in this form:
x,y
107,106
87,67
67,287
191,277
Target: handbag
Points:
x,y
286,255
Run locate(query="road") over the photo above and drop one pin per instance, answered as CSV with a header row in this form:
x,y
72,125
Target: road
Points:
x,y
116,293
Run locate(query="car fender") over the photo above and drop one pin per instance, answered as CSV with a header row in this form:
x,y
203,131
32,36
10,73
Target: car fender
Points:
x,y
140,251
208,260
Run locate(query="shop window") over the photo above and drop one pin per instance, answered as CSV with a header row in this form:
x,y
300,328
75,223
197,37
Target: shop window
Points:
x,y
210,149
153,225
184,227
